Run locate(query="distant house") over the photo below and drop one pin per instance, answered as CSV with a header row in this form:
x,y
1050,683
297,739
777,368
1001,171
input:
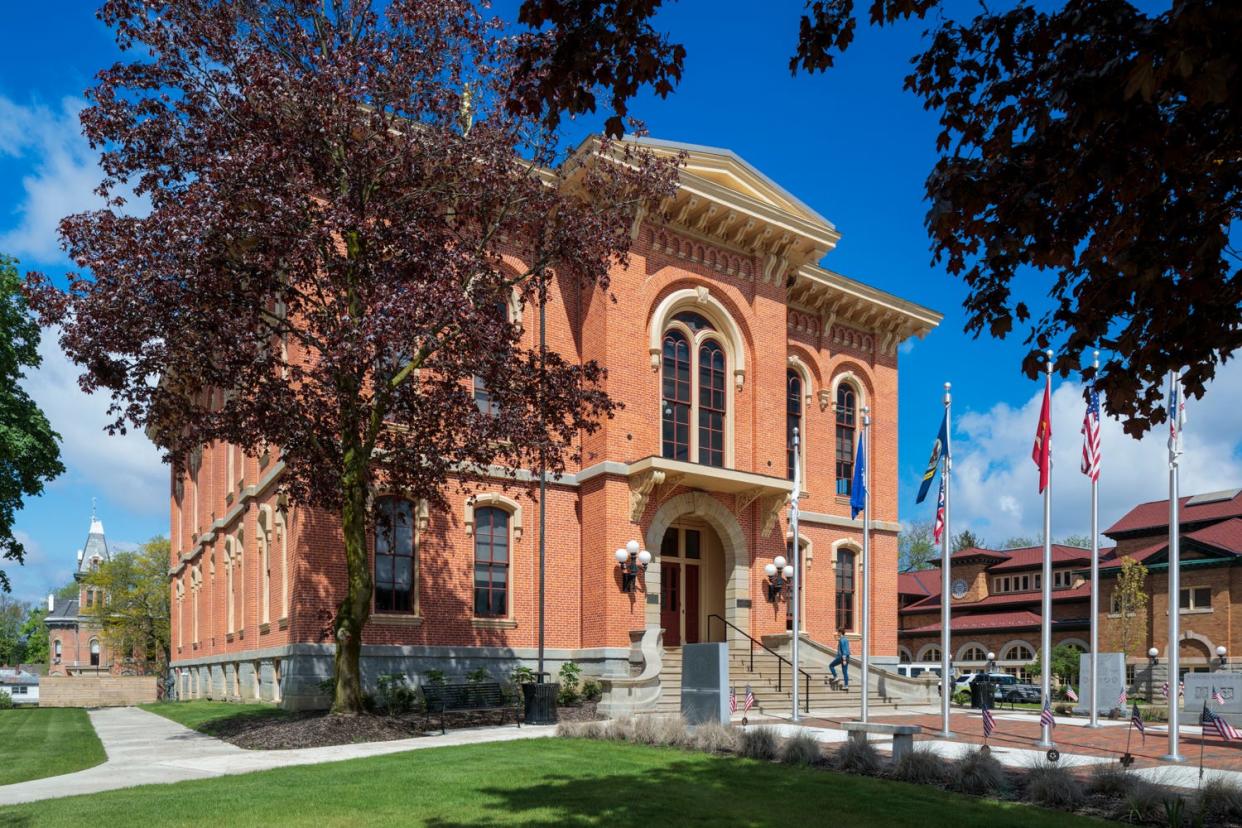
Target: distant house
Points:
x,y
21,686
75,645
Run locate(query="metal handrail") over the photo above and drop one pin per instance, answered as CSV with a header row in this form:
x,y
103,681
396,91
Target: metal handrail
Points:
x,y
806,701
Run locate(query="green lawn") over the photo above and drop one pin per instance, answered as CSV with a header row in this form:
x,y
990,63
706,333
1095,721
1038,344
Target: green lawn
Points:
x,y
201,714
46,741
542,781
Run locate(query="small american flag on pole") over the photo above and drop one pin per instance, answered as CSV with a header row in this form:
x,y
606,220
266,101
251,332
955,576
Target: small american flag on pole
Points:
x,y
750,699
1046,718
989,722
1070,694
1212,721
1217,696
1164,689
1122,699
1091,437
1136,719
732,700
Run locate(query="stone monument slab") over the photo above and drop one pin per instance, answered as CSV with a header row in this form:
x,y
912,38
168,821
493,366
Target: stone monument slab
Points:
x,y
705,683
1108,690
1199,688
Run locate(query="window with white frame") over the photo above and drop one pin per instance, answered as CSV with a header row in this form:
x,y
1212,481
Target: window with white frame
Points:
x,y
491,562
931,654
974,653
1195,598
846,425
1018,652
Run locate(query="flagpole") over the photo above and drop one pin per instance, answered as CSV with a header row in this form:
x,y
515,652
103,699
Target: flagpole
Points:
x,y
1095,580
1045,679
797,594
946,681
866,559
1175,562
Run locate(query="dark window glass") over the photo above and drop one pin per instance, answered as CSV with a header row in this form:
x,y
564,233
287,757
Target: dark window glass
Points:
x,y
491,562
668,545
793,417
694,321
711,403
845,438
675,397
394,555
845,590
693,544
483,399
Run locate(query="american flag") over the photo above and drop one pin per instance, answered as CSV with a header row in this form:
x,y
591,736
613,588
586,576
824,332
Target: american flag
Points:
x,y
1122,699
1215,722
1136,719
1070,694
732,700
1217,696
1045,718
989,722
750,699
1177,416
1091,437
1164,689
939,527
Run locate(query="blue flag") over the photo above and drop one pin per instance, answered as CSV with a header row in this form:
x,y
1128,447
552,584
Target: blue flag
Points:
x,y
858,489
940,448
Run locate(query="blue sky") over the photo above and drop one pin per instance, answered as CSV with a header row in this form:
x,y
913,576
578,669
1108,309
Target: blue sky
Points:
x,y
850,143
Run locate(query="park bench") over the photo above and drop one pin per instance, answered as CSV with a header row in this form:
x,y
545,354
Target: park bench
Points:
x,y
903,735
480,696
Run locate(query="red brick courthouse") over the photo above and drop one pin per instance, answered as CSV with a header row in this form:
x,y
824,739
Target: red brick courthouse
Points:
x,y
725,335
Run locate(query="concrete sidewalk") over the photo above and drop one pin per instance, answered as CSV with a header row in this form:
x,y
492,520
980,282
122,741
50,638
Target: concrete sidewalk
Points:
x,y
145,749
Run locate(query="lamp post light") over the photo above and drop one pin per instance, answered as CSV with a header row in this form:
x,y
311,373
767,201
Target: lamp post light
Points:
x,y
991,662
780,577
633,561
1153,658
1221,661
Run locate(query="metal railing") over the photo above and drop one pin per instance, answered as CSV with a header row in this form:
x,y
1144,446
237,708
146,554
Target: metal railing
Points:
x,y
806,685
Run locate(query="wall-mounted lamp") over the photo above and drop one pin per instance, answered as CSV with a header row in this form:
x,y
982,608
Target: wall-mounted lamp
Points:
x,y
1221,661
633,560
991,662
780,578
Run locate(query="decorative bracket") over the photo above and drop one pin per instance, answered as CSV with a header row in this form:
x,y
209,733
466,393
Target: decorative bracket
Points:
x,y
641,486
770,508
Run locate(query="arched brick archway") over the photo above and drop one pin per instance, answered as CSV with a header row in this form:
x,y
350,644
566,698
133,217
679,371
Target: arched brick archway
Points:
x,y
736,556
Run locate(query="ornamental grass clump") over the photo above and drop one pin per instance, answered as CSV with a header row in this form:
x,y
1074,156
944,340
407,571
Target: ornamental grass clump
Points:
x,y
921,766
801,749
1110,779
667,731
1219,800
620,729
979,773
1053,785
758,743
580,730
713,737
857,757
1145,799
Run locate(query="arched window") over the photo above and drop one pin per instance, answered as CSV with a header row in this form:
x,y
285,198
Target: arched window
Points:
x,y
1019,652
231,602
846,420
483,398
931,654
793,418
394,555
491,562
265,569
845,589
974,653
56,651
691,338
94,652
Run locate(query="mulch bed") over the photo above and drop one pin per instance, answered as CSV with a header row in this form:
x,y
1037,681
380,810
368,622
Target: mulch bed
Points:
x,y
321,729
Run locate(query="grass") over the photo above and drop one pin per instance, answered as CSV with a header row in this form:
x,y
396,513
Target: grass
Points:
x,y
201,714
46,741
538,781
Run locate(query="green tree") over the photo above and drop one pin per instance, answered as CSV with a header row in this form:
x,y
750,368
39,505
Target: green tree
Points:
x,y
29,448
1019,542
135,611
916,546
12,615
67,592
1064,666
1127,610
34,636
1080,541
967,539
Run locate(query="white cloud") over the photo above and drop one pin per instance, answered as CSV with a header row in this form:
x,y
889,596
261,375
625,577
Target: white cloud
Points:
x,y
64,173
39,570
995,482
126,466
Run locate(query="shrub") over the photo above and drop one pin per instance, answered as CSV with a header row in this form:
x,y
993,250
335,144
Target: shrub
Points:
x,y
395,695
1145,800
660,730
570,676
978,773
478,676
857,757
713,737
1219,800
434,678
922,766
1111,779
961,697
522,675
620,729
6,701
1053,785
758,743
592,690
801,749
567,695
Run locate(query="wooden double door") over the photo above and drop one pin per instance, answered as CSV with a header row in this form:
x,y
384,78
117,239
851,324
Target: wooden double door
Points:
x,y
681,579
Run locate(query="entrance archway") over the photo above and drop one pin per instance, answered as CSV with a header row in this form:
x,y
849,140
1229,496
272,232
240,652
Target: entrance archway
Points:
x,y
729,593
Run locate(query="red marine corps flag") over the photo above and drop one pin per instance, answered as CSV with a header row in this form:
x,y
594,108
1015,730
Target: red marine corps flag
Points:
x,y
1041,452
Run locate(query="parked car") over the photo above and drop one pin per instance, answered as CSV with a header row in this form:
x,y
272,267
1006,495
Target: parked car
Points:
x,y
916,670
1007,688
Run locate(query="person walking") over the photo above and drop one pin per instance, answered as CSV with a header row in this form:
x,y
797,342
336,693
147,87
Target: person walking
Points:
x,y
843,658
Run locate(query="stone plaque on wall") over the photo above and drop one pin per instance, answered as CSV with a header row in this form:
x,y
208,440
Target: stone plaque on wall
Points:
x,y
1108,690
1199,688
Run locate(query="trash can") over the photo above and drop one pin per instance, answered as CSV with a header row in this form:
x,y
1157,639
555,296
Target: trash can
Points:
x,y
540,702
982,694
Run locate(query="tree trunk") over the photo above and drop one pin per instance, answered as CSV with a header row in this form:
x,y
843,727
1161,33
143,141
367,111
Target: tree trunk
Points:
x,y
352,614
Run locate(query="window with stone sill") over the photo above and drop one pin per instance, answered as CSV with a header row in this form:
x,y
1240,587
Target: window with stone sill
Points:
x,y
491,562
693,390
1195,598
394,555
846,425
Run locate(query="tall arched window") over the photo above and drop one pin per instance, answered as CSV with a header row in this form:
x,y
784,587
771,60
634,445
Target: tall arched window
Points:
x,y
846,419
56,650
491,562
394,555
691,338
793,418
230,598
94,652
483,398
845,589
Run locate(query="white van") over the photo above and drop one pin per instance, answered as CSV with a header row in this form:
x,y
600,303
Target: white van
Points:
x,y
916,670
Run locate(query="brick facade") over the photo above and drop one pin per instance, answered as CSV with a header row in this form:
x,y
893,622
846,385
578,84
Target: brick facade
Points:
x,y
774,311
